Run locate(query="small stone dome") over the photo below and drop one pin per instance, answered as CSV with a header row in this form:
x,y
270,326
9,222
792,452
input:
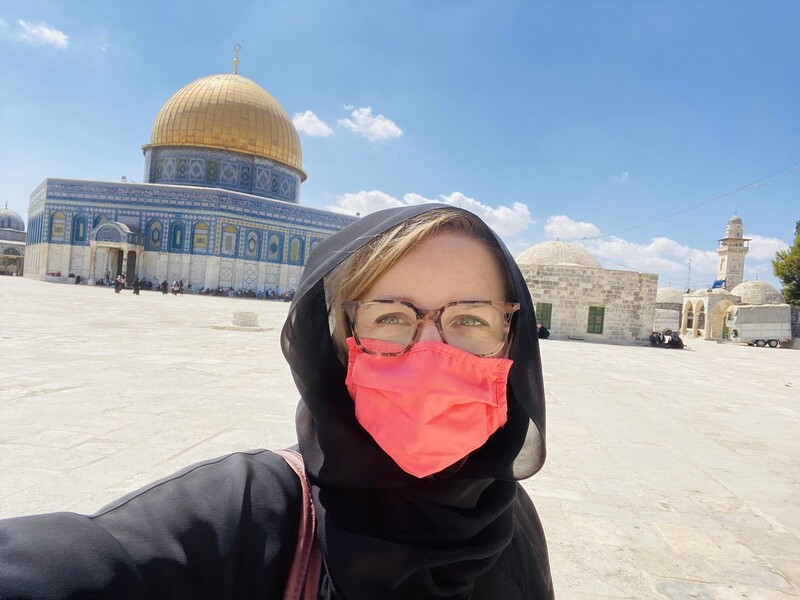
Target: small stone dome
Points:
x,y
668,295
558,253
735,219
757,292
11,220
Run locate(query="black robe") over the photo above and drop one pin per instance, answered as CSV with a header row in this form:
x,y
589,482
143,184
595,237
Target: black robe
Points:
x,y
227,528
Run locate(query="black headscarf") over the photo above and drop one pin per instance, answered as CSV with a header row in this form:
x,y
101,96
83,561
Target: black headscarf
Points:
x,y
385,533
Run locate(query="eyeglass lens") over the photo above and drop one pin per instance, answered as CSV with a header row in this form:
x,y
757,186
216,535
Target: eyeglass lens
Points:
x,y
389,327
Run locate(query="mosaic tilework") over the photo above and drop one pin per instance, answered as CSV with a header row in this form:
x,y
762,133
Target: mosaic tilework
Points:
x,y
204,167
276,233
169,198
249,276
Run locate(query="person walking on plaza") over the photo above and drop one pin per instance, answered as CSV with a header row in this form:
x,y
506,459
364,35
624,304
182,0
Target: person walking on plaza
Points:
x,y
118,285
412,341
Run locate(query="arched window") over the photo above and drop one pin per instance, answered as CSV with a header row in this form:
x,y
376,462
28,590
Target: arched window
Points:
x,y
701,317
228,239
155,231
275,248
294,250
79,229
58,227
689,316
200,238
176,237
251,247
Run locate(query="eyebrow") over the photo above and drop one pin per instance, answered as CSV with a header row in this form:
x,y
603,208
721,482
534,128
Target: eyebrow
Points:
x,y
395,298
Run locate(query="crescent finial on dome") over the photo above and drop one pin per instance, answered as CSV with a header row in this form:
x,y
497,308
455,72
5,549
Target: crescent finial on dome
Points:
x,y
236,49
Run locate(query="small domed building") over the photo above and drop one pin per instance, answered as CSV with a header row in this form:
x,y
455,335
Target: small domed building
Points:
x,y
757,292
576,298
12,242
706,312
219,206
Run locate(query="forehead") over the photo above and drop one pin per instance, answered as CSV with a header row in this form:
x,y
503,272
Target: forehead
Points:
x,y
446,267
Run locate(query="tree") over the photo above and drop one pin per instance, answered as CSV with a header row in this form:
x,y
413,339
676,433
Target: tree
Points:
x,y
787,268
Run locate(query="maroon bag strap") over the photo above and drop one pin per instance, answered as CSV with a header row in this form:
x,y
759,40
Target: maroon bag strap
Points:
x,y
303,580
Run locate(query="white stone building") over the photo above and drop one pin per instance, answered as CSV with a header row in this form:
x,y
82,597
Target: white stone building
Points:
x,y
12,243
576,298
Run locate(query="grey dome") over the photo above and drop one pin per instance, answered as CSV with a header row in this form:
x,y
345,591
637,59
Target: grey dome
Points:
x,y
11,220
668,295
757,292
558,253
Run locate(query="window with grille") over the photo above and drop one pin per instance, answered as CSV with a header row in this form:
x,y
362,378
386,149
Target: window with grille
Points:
x,y
596,316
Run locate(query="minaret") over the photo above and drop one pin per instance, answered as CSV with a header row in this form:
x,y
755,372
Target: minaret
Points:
x,y
732,250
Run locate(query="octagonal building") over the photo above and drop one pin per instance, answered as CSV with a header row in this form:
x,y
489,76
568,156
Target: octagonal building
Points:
x,y
218,206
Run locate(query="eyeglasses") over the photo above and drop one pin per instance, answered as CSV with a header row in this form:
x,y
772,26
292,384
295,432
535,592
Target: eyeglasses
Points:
x,y
391,327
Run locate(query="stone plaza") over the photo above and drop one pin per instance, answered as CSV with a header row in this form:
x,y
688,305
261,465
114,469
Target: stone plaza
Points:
x,y
670,474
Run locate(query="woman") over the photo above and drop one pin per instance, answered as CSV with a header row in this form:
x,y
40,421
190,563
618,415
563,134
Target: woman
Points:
x,y
412,340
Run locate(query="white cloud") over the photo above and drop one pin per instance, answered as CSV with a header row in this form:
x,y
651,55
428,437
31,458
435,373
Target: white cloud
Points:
x,y
41,33
105,46
622,177
374,128
762,248
662,255
561,226
364,202
505,220
311,124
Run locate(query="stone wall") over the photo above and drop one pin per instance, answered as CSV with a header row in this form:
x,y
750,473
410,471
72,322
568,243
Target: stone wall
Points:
x,y
627,297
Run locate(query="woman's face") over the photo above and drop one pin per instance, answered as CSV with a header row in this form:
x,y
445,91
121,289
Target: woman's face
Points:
x,y
446,267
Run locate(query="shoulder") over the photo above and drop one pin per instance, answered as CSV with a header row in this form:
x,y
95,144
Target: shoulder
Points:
x,y
260,473
258,479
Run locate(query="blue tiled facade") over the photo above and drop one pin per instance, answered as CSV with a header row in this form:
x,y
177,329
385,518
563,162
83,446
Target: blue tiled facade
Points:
x,y
170,221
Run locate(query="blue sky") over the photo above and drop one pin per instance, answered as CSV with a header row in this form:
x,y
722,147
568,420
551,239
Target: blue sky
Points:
x,y
564,119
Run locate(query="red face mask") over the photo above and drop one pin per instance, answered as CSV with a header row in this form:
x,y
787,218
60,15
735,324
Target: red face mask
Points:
x,y
430,407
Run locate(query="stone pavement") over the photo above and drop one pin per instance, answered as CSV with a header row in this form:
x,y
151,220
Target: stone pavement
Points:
x,y
671,474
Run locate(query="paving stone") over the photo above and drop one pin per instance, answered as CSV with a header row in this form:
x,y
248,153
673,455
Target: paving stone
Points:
x,y
669,474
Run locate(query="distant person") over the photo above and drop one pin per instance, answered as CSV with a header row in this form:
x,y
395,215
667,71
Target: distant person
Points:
x,y
136,286
543,331
674,341
164,287
656,339
118,284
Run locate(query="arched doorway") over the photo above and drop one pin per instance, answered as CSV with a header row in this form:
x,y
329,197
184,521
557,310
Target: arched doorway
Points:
x,y
700,326
130,272
11,261
115,249
689,311
719,321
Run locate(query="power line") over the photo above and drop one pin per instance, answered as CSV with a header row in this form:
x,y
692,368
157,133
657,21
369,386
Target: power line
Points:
x,y
786,172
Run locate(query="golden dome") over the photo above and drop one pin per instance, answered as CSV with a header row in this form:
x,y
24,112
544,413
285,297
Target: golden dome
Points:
x,y
229,112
